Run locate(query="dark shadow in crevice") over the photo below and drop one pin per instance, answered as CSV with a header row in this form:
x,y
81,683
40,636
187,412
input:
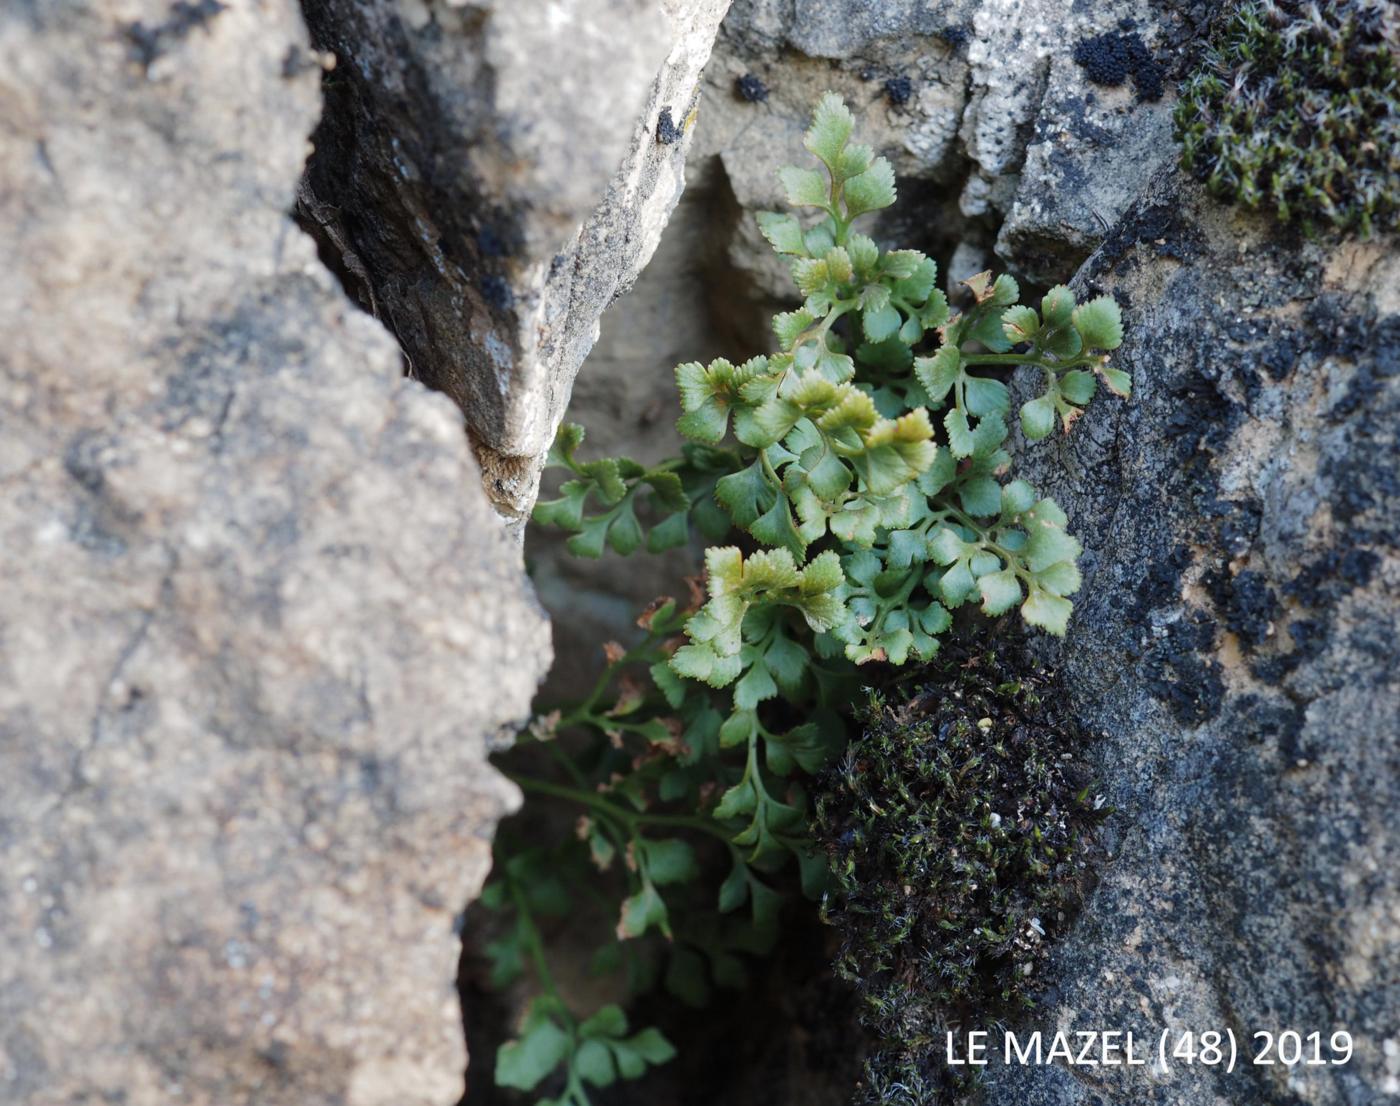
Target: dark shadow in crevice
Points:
x,y
396,214
790,1037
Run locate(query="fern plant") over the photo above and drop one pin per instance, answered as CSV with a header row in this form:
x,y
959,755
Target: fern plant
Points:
x,y
856,490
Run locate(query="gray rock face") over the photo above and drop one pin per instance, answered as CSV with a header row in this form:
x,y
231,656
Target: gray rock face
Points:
x,y
258,622
978,101
493,175
1090,152
1235,642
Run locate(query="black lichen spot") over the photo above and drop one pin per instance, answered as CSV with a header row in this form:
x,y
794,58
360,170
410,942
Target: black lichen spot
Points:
x,y
1309,636
297,61
1262,717
1245,602
1179,673
147,43
1202,417
750,89
1239,526
185,15
1363,482
1158,227
1358,567
1272,669
1294,107
1280,357
497,293
956,828
1333,574
899,90
666,130
1103,58
1179,666
954,36
1161,585
1284,722
1149,75
1111,58
498,239
1337,328
84,460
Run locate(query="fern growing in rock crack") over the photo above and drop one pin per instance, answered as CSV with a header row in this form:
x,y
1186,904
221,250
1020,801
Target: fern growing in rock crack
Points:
x,y
857,491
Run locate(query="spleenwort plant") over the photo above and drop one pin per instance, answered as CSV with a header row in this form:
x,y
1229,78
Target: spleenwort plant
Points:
x,y
857,490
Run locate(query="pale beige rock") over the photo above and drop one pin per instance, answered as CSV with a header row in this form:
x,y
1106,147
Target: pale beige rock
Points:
x,y
258,624
996,131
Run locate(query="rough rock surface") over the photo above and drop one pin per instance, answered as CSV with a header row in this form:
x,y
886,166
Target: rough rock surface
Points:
x,y
1235,642
1007,156
257,623
978,101
492,176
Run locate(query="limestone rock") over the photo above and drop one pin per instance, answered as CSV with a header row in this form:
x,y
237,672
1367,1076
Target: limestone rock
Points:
x,y
258,623
1092,147
496,174
977,101
626,400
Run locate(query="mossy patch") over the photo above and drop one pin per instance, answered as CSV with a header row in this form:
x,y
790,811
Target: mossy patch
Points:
x,y
1296,108
955,827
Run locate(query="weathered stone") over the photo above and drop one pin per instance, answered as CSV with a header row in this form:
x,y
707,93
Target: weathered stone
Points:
x,y
258,623
740,146
982,98
1092,150
495,296
500,173
1234,641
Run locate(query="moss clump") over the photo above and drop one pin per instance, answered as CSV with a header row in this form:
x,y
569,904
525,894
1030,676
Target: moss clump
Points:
x,y
1296,107
953,826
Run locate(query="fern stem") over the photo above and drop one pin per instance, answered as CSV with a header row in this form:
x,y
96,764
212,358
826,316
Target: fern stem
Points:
x,y
628,818
533,942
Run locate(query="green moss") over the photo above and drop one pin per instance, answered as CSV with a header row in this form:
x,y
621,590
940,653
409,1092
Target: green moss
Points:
x,y
1296,108
953,826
